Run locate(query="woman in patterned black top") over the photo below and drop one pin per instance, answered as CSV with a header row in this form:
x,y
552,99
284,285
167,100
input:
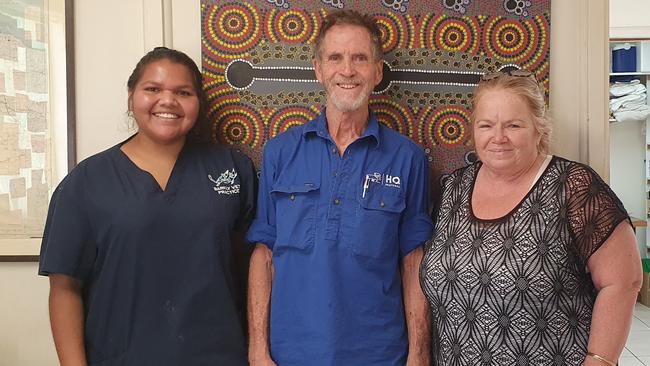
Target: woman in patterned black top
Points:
x,y
534,261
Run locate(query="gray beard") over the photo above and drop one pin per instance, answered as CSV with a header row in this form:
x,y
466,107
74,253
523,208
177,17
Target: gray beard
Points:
x,y
347,105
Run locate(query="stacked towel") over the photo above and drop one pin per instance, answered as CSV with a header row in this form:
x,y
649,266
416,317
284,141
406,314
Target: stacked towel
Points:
x,y
628,101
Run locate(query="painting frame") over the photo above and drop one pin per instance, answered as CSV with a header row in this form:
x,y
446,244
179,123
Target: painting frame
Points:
x,y
59,20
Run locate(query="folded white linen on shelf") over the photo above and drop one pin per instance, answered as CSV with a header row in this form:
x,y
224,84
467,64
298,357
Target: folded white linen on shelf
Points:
x,y
619,88
638,114
630,101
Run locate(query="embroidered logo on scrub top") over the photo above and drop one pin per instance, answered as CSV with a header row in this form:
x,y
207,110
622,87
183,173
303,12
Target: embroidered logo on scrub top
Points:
x,y
225,184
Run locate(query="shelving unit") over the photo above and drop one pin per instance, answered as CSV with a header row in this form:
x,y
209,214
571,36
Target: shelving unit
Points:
x,y
642,72
637,73
630,149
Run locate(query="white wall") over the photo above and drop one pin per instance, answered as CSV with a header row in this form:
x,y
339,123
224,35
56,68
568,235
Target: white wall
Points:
x,y
112,36
25,338
629,18
627,170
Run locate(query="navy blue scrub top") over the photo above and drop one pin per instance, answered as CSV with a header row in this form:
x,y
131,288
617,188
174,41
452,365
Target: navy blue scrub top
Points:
x,y
155,265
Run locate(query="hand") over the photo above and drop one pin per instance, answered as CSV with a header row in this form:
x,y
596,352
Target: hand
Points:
x,y
417,361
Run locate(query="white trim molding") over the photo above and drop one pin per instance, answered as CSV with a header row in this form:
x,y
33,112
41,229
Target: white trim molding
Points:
x,y
629,32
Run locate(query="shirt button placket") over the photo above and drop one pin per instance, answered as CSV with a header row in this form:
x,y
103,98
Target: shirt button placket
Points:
x,y
334,211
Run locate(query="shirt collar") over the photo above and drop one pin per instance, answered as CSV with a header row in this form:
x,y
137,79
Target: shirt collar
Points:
x,y
319,127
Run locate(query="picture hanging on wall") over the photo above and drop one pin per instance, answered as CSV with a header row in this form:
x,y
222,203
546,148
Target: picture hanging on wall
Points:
x,y
257,56
37,118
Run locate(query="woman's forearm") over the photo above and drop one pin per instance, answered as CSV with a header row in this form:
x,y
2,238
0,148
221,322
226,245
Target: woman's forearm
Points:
x,y
616,273
67,320
610,322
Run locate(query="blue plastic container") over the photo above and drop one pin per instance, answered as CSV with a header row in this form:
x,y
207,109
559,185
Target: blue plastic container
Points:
x,y
624,58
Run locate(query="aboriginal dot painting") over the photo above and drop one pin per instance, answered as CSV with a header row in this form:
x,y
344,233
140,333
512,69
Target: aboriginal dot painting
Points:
x,y
257,66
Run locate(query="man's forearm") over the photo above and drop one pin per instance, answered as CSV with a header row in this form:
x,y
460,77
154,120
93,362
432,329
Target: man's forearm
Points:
x,y
260,280
416,310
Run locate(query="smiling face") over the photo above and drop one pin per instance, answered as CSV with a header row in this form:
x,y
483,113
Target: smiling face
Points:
x,y
164,102
505,137
347,68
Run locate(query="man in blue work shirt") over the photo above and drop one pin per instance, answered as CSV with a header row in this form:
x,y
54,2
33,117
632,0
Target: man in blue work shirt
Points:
x,y
341,220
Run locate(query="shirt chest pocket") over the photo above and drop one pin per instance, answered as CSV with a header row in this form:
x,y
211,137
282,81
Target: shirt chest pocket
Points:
x,y
295,212
378,217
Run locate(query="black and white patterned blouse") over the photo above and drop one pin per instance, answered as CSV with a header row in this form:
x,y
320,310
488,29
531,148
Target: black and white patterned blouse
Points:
x,y
514,290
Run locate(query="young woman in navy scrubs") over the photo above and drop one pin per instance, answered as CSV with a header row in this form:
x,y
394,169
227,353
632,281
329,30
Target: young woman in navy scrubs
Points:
x,y
138,238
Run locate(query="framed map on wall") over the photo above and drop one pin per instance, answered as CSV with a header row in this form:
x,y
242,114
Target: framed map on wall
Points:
x,y
36,118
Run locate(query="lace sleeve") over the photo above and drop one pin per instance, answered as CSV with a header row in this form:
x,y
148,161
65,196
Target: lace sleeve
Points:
x,y
594,211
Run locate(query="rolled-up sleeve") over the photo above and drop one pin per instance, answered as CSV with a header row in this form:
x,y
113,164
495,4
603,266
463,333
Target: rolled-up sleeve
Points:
x,y
416,226
263,228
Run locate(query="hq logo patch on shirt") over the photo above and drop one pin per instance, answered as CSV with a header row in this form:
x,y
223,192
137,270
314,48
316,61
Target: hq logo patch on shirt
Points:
x,y
225,184
381,179
392,181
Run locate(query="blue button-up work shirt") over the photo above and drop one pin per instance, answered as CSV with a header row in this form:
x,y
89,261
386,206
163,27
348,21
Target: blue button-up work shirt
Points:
x,y
338,227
